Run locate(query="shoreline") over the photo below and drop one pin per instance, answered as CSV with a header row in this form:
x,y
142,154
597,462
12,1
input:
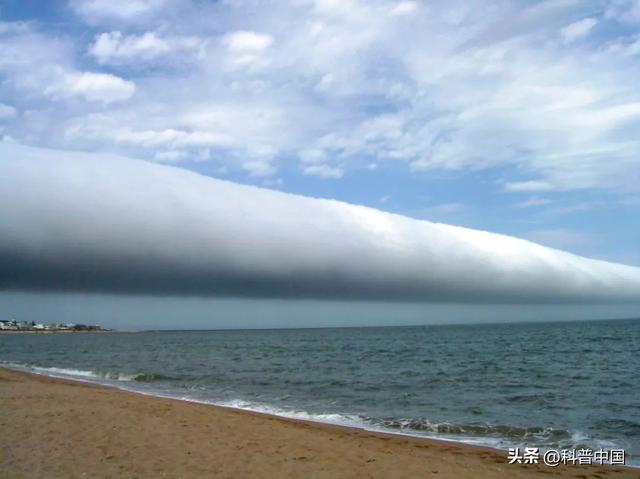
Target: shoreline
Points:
x,y
119,385
210,439
11,331
94,382
123,384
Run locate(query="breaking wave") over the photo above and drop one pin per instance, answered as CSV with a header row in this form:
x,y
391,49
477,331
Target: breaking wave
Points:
x,y
538,435
89,375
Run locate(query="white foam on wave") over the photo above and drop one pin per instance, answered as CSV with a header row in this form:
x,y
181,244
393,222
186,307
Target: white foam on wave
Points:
x,y
62,371
66,373
126,383
579,439
345,420
326,418
337,419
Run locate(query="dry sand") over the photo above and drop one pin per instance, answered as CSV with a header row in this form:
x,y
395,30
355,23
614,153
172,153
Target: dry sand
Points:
x,y
52,428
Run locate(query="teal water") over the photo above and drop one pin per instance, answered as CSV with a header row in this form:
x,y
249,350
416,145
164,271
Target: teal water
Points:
x,y
560,385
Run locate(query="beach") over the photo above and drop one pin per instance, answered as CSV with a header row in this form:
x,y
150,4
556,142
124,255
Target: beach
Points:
x,y
52,428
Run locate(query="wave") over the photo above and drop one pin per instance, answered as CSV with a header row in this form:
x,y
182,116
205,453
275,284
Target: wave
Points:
x,y
497,436
493,436
541,434
80,373
350,420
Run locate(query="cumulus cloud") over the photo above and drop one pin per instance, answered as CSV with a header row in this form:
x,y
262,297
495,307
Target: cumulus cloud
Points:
x,y
246,48
260,168
113,46
167,137
578,29
244,41
89,222
36,67
315,163
116,48
101,87
323,171
452,86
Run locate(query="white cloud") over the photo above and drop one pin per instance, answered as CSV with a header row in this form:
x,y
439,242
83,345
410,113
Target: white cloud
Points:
x,y
634,47
38,68
168,137
312,156
95,10
114,47
170,156
404,8
244,41
99,87
259,168
460,86
577,30
628,46
247,49
7,112
528,186
104,223
323,171
13,27
624,11
314,162
533,202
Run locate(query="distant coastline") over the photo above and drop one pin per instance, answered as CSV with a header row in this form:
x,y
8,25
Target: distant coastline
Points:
x,y
14,326
10,332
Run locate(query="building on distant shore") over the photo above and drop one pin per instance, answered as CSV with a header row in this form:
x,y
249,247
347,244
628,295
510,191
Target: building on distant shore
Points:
x,y
14,325
8,325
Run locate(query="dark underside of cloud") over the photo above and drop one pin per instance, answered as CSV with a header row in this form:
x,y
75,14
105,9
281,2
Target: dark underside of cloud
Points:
x,y
98,223
22,272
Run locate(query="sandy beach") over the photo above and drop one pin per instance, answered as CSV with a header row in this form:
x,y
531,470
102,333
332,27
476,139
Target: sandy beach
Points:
x,y
52,428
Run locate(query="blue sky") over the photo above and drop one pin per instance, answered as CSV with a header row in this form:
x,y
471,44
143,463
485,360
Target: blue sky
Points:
x,y
513,117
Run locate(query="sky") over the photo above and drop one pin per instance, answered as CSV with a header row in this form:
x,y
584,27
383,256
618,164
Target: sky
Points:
x,y
518,118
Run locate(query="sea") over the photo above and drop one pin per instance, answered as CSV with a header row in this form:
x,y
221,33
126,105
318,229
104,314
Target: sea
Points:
x,y
560,385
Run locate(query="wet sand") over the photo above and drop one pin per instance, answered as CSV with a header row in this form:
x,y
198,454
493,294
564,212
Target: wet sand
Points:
x,y
54,428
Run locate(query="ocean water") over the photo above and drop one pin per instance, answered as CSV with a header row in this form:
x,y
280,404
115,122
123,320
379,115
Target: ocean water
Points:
x,y
548,385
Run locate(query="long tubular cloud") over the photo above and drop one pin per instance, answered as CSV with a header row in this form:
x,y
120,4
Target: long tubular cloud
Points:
x,y
86,222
